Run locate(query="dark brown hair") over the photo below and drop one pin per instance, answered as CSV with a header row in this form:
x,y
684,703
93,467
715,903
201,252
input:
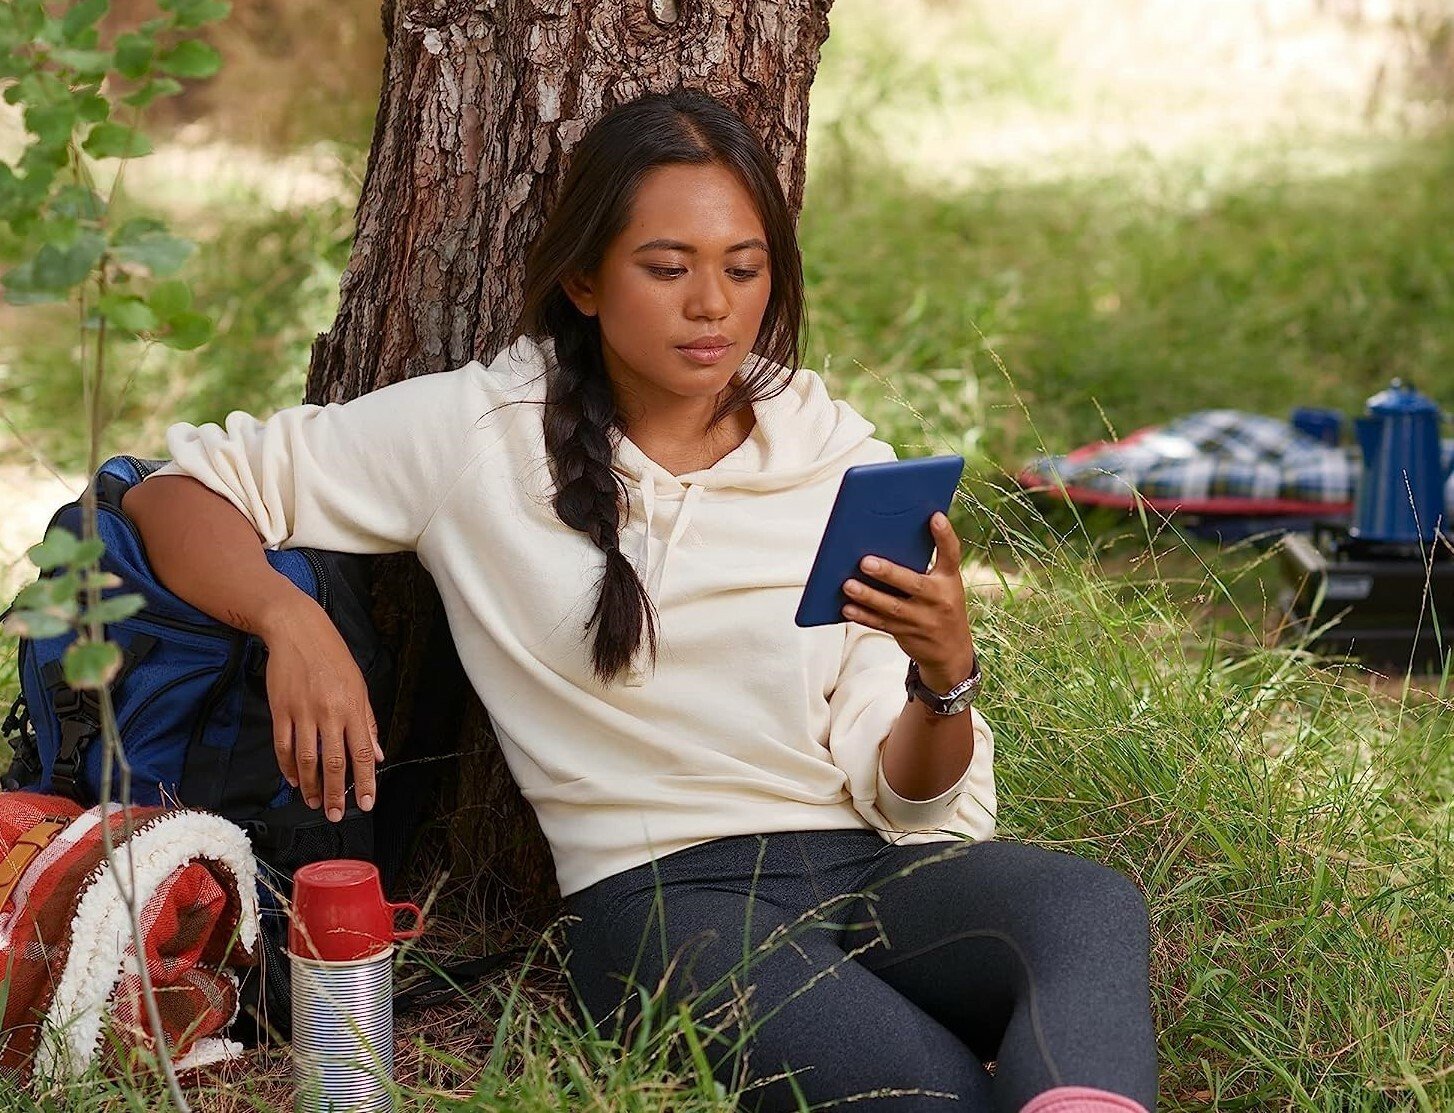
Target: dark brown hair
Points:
x,y
581,419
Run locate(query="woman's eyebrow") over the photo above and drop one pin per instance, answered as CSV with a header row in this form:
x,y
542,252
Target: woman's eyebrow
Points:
x,y
677,245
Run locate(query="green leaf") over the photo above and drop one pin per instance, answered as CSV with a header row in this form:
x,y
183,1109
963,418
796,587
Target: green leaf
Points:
x,y
51,31
111,140
91,108
58,268
127,311
102,580
51,123
20,287
80,17
34,595
59,546
170,298
91,664
12,62
194,13
83,61
34,624
41,162
161,254
136,228
114,609
87,551
12,189
133,54
77,202
22,19
156,87
60,590
54,270
190,58
187,331
43,87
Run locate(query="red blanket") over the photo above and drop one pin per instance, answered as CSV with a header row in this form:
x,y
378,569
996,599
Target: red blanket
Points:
x,y
69,971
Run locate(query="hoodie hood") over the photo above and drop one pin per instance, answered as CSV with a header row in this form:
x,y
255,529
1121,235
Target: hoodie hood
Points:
x,y
800,433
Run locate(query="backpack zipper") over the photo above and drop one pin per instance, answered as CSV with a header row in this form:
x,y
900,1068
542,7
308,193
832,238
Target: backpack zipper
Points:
x,y
320,574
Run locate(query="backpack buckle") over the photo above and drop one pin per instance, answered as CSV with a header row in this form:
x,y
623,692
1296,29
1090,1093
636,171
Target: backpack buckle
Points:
x,y
79,712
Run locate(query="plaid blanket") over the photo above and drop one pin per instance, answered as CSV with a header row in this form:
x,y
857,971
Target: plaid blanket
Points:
x,y
1211,462
70,965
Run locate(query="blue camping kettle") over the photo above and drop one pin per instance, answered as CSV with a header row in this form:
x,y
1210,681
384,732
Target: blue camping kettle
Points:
x,y
1401,489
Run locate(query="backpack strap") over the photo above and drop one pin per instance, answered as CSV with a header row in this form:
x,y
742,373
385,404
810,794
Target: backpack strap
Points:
x,y
78,710
27,848
446,985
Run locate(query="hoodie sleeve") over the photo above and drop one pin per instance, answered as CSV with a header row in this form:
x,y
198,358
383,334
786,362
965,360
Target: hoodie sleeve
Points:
x,y
864,706
362,476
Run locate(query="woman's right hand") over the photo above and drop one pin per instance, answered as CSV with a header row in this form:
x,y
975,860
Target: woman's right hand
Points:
x,y
322,718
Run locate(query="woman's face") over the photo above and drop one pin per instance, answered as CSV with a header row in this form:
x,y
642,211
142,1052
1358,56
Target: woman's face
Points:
x,y
691,262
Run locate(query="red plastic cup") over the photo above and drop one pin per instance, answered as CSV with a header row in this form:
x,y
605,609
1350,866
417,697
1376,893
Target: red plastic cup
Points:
x,y
340,914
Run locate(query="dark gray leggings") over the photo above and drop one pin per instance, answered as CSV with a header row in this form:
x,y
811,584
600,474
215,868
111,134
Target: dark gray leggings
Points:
x,y
966,952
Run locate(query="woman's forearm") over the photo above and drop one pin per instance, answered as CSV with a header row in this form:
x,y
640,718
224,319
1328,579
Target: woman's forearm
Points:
x,y
925,753
205,551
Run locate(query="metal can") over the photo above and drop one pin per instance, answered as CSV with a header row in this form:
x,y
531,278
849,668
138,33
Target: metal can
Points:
x,y
343,1034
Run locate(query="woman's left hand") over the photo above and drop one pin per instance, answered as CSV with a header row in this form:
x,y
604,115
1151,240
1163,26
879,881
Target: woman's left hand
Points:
x,y
931,625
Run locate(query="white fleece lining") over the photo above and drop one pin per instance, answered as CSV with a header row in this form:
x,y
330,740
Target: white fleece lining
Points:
x,y
101,929
209,1050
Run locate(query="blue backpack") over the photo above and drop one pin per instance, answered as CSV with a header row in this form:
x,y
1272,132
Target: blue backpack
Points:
x,y
192,712
190,698
191,704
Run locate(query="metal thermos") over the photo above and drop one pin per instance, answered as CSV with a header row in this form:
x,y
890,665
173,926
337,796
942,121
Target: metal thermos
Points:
x,y
341,938
343,1034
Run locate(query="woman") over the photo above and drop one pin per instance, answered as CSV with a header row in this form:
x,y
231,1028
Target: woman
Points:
x,y
750,815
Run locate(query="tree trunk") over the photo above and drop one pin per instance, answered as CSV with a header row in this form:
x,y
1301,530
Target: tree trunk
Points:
x,y
481,105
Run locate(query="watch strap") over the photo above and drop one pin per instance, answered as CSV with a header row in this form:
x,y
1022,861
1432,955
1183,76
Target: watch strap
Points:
x,y
944,703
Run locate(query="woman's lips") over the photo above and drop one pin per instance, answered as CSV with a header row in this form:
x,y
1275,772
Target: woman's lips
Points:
x,y
704,355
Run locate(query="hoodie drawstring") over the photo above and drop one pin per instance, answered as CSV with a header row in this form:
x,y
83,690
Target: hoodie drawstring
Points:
x,y
653,578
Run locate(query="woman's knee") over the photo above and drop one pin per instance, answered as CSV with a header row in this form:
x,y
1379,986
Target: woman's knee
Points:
x,y
1102,906
1120,899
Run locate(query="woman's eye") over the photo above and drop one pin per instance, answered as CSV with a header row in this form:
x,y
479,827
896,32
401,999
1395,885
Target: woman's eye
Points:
x,y
671,272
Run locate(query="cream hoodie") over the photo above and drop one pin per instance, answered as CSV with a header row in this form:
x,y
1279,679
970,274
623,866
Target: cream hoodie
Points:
x,y
747,723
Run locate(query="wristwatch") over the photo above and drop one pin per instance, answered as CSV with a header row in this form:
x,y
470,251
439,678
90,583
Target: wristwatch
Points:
x,y
951,702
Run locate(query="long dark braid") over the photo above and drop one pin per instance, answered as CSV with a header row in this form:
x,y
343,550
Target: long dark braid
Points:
x,y
580,416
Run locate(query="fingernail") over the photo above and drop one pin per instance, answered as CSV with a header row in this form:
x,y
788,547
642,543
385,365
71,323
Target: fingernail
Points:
x,y
871,563
335,814
366,802
291,780
312,801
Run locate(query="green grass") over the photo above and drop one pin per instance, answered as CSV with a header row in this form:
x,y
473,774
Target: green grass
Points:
x,y
1129,298
1289,820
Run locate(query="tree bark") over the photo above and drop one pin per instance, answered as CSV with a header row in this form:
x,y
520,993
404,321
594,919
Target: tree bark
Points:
x,y
480,107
